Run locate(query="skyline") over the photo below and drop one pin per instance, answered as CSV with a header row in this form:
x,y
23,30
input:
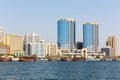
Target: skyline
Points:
x,y
22,17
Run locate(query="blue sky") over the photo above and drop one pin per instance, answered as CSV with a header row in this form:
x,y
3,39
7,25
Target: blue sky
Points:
x,y
40,16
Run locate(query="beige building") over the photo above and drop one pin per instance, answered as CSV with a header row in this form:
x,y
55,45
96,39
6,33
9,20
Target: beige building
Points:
x,y
16,44
112,41
51,49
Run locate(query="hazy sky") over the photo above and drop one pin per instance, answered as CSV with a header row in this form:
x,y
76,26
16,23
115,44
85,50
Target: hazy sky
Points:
x,y
40,16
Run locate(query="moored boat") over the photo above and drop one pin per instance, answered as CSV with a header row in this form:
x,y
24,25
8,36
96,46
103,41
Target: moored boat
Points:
x,y
53,59
66,59
27,59
5,59
78,59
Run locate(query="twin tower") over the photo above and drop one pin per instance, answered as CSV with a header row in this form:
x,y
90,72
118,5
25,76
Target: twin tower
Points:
x,y
66,35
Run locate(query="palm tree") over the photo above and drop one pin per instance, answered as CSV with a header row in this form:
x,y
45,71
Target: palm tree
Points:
x,y
34,55
47,56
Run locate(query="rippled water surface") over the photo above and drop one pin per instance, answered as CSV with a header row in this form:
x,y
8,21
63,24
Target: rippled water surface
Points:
x,y
58,70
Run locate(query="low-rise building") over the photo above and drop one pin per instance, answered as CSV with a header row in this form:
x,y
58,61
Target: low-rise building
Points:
x,y
51,49
108,50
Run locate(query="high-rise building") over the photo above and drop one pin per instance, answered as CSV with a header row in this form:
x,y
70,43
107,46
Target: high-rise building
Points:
x,y
36,48
1,35
112,42
91,36
66,33
16,44
31,44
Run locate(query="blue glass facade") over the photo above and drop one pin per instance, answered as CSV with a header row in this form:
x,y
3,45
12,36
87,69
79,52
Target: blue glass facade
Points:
x,y
90,37
66,34
62,32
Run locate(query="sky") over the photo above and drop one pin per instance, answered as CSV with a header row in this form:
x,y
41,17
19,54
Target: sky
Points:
x,y
40,16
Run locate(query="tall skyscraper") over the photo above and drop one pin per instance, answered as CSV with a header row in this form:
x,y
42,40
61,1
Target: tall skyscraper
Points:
x,y
1,34
91,36
66,33
112,42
